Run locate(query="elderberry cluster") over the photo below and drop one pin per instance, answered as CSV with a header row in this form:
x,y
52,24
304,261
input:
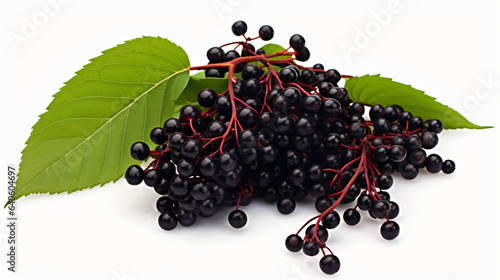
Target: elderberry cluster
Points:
x,y
283,132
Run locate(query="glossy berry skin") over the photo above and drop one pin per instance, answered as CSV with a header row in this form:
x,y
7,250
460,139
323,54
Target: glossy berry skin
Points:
x,y
176,140
152,177
134,175
381,154
248,50
223,105
310,248
164,205
266,32
397,153
434,163
187,218
192,149
215,55
252,87
297,42
390,114
158,136
288,75
429,140
139,151
408,171
435,126
294,243
304,126
167,221
206,97
329,264
380,208
384,181
352,217
172,125
206,166
250,71
322,203
413,143
356,130
417,158
415,123
331,220
394,212
389,230
239,28
185,168
285,205
376,111
382,126
302,54
321,233
448,166
237,219
189,113
365,202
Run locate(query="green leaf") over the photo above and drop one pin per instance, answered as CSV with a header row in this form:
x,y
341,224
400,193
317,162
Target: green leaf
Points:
x,y
373,89
196,83
83,139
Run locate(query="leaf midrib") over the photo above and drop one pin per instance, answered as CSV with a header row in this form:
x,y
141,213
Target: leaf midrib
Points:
x,y
106,123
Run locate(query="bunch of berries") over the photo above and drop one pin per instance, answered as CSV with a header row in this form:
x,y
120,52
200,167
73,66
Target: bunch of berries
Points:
x,y
283,132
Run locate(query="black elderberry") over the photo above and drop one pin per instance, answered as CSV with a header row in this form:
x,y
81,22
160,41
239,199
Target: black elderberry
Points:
x,y
294,243
408,170
434,163
164,205
389,230
333,76
356,130
134,175
310,248
365,202
187,218
329,264
215,54
448,166
429,140
351,216
239,28
172,125
380,208
384,181
394,212
397,153
237,219
321,232
266,32
331,220
185,168
322,203
191,149
207,208
139,151
376,111
382,126
302,54
285,205
297,42
223,105
206,98
435,126
167,221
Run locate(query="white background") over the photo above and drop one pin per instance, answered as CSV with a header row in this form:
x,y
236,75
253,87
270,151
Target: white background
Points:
x,y
449,223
